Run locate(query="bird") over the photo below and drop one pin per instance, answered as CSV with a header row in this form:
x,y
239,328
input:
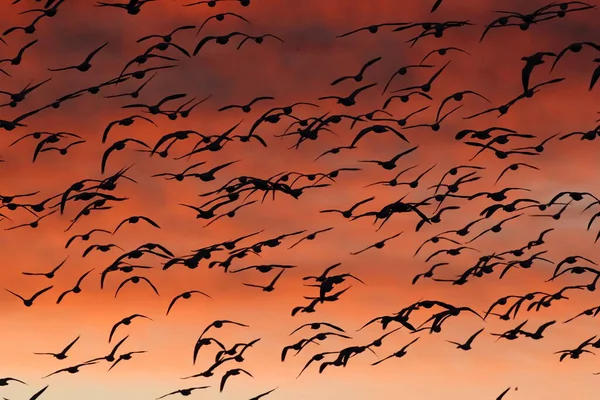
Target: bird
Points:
x,y
39,393
246,108
260,396
359,76
84,237
123,122
310,236
537,335
391,163
118,146
168,37
29,302
76,289
467,345
125,321
530,63
155,109
318,325
271,286
184,295
135,94
221,17
71,370
125,356
134,220
574,48
136,279
348,213
349,100
63,353
183,392
218,324
100,247
371,28
258,39
50,274
442,52
377,245
221,40
398,354
133,7
514,167
501,396
230,373
436,5
16,98
85,65
400,72
5,381
595,75
16,60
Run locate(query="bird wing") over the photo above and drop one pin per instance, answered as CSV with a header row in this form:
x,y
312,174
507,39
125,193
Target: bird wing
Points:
x,y
105,157
595,77
150,283
173,302
202,42
70,345
62,296
148,220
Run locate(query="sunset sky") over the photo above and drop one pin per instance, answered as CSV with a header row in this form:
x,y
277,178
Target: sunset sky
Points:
x,y
299,69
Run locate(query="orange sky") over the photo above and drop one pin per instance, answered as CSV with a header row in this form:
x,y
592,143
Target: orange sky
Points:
x,y
299,69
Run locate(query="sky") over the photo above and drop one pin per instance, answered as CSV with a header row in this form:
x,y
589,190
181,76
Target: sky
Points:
x,y
301,68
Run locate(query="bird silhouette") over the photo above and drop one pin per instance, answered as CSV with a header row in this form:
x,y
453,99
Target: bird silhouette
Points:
x,y
29,302
63,353
85,65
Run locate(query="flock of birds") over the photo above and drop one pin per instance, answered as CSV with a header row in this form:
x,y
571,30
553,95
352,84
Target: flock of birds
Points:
x,y
93,197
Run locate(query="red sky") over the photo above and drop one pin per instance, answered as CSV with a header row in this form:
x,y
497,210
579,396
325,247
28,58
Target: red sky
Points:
x,y
299,69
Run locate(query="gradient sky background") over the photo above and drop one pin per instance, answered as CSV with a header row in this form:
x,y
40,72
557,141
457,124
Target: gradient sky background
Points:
x,y
300,69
